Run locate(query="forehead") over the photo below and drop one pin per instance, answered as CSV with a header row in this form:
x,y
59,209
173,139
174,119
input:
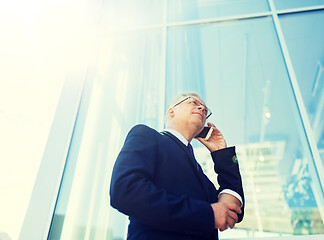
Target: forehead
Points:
x,y
182,97
195,98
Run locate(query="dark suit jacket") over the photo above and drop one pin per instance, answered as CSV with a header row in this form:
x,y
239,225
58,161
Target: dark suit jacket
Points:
x,y
156,183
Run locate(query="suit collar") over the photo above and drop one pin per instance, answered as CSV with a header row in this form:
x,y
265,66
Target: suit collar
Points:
x,y
177,135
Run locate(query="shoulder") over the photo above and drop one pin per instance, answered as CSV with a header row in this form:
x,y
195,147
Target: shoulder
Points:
x,y
142,135
141,129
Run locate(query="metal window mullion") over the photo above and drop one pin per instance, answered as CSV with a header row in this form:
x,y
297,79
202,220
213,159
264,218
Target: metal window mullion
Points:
x,y
300,106
298,10
214,20
218,19
41,207
163,67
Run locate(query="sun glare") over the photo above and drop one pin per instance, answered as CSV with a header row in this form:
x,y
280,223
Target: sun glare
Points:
x,y
41,43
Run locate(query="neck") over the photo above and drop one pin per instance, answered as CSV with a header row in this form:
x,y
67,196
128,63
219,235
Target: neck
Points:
x,y
189,132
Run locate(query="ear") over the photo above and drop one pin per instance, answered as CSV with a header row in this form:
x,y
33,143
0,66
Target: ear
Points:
x,y
171,112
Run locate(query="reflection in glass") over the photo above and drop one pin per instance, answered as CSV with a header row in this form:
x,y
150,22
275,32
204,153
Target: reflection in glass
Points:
x,y
240,69
122,91
184,10
305,46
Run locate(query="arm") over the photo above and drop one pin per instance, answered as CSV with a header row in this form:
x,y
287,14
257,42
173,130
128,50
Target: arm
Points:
x,y
134,193
226,166
229,177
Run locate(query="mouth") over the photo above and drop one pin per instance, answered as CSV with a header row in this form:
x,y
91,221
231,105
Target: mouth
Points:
x,y
198,114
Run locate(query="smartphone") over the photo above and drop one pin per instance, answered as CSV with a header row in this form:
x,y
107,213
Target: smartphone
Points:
x,y
205,133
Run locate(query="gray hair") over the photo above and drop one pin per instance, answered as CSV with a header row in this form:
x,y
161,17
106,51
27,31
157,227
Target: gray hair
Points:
x,y
177,99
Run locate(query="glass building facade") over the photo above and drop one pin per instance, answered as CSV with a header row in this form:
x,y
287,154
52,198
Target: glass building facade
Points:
x,y
259,66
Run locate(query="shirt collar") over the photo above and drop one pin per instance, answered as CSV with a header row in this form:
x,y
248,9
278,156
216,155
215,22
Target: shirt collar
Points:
x,y
178,135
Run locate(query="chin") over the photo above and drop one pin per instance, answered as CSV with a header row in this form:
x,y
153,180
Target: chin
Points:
x,y
198,122
199,126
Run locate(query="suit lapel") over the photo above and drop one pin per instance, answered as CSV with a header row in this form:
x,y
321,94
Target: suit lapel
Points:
x,y
191,161
183,147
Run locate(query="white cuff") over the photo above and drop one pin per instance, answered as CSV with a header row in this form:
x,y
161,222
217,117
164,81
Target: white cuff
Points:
x,y
233,193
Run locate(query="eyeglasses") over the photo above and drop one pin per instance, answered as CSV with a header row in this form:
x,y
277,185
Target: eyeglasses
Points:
x,y
197,103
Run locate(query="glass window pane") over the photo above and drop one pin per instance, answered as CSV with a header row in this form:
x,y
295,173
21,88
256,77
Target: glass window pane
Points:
x,y
183,10
32,73
286,4
239,69
125,91
306,49
305,45
27,108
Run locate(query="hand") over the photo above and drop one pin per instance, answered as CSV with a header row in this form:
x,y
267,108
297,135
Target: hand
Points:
x,y
225,215
225,197
216,141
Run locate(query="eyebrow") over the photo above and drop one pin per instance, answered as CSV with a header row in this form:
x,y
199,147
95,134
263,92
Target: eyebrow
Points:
x,y
199,101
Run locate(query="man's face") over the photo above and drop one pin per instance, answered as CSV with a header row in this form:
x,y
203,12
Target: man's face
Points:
x,y
191,110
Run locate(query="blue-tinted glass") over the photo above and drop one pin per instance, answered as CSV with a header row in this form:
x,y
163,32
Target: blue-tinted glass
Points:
x,y
239,70
182,10
306,49
123,90
285,4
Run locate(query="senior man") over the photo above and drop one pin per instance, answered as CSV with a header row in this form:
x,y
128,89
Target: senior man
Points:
x,y
158,183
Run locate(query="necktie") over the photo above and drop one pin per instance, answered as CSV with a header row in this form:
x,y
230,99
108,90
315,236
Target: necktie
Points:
x,y
193,156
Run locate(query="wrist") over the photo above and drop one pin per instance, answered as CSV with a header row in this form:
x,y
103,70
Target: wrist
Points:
x,y
216,148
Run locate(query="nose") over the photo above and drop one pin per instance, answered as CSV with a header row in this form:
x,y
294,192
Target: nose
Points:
x,y
202,109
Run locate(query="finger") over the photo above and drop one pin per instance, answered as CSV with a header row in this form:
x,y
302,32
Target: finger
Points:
x,y
233,216
230,222
223,228
217,133
234,207
221,222
213,126
201,140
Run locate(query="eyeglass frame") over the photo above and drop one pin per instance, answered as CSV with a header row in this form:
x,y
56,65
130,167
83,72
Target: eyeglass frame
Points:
x,y
185,99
